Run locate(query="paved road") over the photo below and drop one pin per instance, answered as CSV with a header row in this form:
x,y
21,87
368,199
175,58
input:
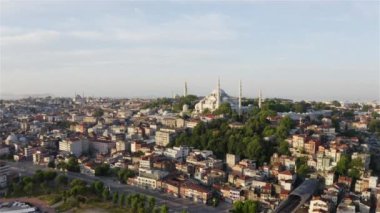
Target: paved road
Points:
x,y
175,204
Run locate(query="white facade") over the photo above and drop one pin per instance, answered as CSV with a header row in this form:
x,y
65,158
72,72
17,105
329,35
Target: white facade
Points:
x,y
318,205
373,182
329,179
77,147
147,182
211,103
121,146
178,153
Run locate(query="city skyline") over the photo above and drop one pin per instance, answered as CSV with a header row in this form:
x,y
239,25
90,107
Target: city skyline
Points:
x,y
298,50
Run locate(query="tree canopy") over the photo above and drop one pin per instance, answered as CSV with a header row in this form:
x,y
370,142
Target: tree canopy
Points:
x,y
246,142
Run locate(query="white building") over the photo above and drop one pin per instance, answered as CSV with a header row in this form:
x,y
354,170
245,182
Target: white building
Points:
x,y
149,177
121,146
178,153
373,182
319,205
329,179
76,146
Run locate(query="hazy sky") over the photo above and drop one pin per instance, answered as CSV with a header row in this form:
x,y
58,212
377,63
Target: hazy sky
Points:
x,y
295,49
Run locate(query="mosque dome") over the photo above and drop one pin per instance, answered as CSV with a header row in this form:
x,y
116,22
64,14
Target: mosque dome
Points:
x,y
222,92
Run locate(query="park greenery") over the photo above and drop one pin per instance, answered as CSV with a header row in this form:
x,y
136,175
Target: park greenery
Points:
x,y
159,102
189,100
275,104
71,165
257,139
247,206
302,169
54,188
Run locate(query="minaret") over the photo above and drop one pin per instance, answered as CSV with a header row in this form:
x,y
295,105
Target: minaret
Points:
x,y
218,94
240,96
260,99
185,90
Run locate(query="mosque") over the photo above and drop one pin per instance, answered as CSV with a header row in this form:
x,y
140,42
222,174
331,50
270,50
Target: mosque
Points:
x,y
218,97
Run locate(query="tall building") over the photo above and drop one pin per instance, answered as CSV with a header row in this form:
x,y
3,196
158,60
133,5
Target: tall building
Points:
x,y
231,160
76,146
163,137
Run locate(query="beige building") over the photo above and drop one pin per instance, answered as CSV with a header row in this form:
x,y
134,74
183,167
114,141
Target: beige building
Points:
x,y
163,137
231,160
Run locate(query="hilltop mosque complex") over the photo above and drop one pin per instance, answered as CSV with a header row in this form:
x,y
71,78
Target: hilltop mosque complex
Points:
x,y
218,97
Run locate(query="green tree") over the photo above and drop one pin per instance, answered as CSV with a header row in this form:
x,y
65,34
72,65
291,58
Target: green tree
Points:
x,y
98,112
342,165
62,180
283,148
283,128
38,176
224,108
49,175
122,200
73,165
336,103
248,206
374,126
124,174
302,167
355,167
98,187
102,170
300,107
164,209
105,194
268,131
151,204
61,165
254,149
115,197
77,182
51,164
28,188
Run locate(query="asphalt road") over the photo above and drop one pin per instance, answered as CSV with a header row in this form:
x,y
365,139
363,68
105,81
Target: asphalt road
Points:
x,y
175,204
